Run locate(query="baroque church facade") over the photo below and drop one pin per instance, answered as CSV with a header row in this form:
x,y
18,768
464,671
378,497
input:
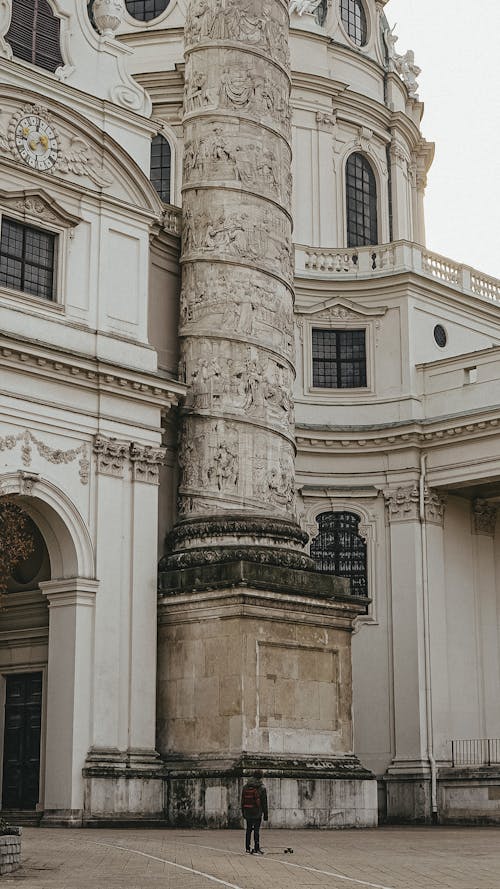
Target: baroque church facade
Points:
x,y
253,421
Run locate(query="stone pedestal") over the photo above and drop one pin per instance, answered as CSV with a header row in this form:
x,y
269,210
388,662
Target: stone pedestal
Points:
x,y
255,671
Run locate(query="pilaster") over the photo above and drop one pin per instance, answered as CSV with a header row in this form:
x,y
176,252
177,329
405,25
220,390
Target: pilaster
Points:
x,y
69,694
417,571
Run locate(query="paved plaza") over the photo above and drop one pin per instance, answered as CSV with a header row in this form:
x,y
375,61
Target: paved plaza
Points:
x,y
387,858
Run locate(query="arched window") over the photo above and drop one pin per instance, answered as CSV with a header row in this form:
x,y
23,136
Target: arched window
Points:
x,y
339,549
361,187
146,10
161,163
353,15
34,34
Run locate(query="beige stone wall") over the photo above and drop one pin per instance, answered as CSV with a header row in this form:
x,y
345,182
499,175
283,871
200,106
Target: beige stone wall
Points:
x,y
256,681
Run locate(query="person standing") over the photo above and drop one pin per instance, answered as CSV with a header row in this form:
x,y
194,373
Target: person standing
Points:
x,y
254,808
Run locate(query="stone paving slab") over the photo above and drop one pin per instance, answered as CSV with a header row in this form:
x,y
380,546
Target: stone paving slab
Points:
x,y
386,858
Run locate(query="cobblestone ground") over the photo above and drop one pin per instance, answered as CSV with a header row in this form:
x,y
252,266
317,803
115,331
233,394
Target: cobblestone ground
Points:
x,y
387,858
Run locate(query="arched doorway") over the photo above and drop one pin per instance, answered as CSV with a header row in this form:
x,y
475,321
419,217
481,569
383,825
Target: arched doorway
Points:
x,y
23,656
46,643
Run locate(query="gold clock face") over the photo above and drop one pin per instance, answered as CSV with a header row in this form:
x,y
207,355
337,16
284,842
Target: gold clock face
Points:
x,y
36,142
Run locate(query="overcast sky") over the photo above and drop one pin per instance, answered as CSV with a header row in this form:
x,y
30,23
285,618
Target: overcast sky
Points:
x,y
456,45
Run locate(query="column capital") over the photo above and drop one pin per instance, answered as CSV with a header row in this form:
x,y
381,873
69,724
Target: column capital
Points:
x,y
484,517
403,504
146,462
111,455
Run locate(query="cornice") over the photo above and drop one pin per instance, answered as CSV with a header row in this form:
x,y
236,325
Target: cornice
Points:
x,y
94,374
437,432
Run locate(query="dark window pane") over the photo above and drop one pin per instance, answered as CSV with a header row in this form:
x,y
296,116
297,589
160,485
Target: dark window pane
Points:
x,y
339,359
27,259
338,549
361,192
161,159
354,20
34,34
145,10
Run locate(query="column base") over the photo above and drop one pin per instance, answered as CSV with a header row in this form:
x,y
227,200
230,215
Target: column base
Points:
x,y
409,797
123,788
302,792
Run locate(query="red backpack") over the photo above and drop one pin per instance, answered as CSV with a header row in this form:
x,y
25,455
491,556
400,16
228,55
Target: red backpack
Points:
x,y
250,798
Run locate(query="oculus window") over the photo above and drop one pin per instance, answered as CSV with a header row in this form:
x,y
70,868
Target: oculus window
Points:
x,y
34,34
339,358
353,15
27,259
339,549
146,10
161,164
361,202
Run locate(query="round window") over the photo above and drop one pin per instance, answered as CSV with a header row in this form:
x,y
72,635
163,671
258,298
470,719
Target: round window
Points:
x,y
440,336
146,10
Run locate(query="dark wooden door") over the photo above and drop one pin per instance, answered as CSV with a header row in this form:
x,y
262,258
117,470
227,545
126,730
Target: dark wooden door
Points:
x,y
21,752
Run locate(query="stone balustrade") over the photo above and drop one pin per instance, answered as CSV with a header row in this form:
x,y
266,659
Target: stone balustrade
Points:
x,y
399,256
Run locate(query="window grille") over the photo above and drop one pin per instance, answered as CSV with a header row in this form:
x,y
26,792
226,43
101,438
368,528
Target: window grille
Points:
x,y
362,226
338,549
27,259
34,34
161,163
353,17
339,359
146,10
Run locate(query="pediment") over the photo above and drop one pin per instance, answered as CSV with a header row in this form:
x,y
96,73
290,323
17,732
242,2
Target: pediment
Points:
x,y
85,156
35,203
340,309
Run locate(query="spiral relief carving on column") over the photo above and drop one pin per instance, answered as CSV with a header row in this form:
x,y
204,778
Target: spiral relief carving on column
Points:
x,y
237,448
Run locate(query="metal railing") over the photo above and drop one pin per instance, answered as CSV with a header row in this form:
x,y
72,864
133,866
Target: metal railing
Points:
x,y
475,752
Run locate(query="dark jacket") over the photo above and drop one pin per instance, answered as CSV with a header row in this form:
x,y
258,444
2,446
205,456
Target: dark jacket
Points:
x,y
261,810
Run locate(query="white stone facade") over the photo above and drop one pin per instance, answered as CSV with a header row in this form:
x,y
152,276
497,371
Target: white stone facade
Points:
x,y
90,438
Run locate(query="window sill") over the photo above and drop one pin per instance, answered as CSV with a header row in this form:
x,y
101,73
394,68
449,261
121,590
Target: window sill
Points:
x,y
20,298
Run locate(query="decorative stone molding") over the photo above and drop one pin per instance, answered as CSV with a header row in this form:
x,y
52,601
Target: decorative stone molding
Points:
x,y
74,154
263,555
56,456
326,121
111,455
146,462
108,15
95,374
36,204
364,138
403,504
484,517
374,439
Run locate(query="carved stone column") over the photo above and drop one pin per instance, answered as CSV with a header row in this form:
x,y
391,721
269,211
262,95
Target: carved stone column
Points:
x,y
237,448
243,680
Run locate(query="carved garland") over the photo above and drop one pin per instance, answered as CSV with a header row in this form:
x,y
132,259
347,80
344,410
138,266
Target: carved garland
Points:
x,y
52,455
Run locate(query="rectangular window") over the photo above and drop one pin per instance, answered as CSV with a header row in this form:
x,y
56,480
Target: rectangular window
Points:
x,y
27,259
339,359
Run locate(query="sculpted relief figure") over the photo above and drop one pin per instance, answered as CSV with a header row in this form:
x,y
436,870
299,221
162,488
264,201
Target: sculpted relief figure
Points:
x,y
245,160
261,239
249,305
244,22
